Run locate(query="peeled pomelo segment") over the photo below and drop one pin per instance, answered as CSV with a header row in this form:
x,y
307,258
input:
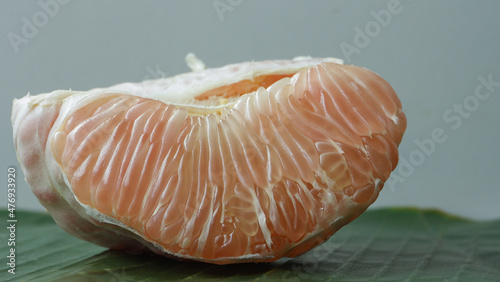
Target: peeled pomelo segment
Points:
x,y
222,175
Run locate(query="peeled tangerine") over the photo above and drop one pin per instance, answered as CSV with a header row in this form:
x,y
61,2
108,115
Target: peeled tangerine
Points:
x,y
245,163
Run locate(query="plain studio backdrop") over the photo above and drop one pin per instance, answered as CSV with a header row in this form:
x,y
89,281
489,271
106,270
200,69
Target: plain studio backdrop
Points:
x,y
441,57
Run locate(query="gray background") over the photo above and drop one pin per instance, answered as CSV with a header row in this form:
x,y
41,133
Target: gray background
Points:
x,y
432,52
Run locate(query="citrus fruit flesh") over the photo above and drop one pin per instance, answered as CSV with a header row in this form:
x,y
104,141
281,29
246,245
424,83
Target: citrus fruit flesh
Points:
x,y
245,163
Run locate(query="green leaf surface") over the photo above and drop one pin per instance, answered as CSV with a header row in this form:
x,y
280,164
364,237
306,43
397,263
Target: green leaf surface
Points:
x,y
381,245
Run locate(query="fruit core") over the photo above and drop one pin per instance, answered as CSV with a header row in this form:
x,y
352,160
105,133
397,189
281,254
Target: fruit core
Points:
x,y
216,100
242,87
